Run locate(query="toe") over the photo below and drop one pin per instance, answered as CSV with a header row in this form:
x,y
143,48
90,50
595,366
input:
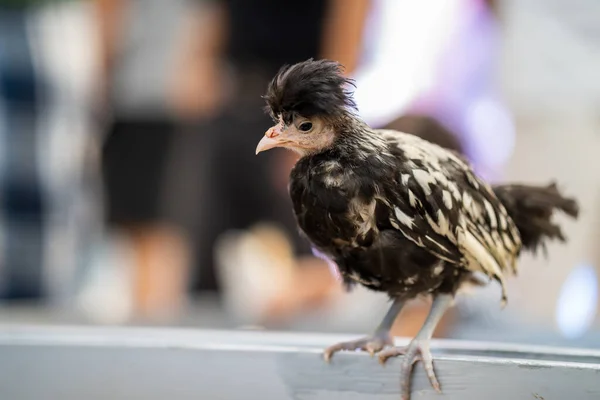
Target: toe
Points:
x,y
331,350
405,380
413,353
428,365
411,356
348,346
327,355
371,345
371,350
389,353
374,347
432,378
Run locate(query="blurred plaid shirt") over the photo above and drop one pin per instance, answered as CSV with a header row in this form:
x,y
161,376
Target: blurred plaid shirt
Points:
x,y
46,191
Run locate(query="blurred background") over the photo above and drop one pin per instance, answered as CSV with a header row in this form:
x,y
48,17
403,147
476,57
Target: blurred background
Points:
x,y
130,193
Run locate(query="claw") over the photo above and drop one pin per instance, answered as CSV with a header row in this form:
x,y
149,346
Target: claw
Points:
x,y
373,348
417,350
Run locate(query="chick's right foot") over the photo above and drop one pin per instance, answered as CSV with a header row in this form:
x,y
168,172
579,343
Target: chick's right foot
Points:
x,y
371,344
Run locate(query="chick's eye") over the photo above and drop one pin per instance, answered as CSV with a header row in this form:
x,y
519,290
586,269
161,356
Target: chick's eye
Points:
x,y
305,126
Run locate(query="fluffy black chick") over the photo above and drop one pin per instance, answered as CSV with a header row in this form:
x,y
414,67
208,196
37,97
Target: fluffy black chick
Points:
x,y
396,213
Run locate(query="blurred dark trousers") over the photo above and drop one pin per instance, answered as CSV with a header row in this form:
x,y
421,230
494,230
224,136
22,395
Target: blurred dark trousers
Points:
x,y
223,184
21,200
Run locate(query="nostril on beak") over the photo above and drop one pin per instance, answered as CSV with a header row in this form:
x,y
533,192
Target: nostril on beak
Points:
x,y
272,133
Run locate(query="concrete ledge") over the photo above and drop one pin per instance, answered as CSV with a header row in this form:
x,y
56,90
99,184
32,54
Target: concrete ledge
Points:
x,y
69,363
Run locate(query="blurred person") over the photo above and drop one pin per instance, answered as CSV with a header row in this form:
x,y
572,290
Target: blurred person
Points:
x,y
47,212
23,206
427,128
446,67
138,38
237,46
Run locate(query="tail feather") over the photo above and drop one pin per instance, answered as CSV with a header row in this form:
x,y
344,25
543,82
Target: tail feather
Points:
x,y
532,207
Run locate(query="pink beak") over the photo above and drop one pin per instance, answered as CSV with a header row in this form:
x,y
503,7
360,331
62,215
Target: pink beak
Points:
x,y
271,139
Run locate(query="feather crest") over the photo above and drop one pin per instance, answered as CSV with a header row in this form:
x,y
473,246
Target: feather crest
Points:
x,y
310,88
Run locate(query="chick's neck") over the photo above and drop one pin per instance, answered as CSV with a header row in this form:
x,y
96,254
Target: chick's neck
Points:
x,y
353,135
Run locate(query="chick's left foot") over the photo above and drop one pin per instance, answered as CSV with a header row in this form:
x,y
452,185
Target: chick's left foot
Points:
x,y
417,350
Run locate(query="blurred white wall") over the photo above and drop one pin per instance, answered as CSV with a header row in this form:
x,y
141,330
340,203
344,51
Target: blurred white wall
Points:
x,y
550,78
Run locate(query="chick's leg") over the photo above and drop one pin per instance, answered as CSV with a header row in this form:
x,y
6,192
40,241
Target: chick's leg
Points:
x,y
374,343
418,349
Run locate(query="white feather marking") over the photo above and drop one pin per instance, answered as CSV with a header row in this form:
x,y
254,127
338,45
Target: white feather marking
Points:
x,y
508,243
503,223
467,202
491,214
480,255
364,215
441,246
487,237
513,231
333,180
438,269
405,178
439,177
424,179
416,240
403,218
356,277
498,241
412,151
472,180
412,199
443,224
478,213
447,198
331,165
411,280
432,240
454,190
473,208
